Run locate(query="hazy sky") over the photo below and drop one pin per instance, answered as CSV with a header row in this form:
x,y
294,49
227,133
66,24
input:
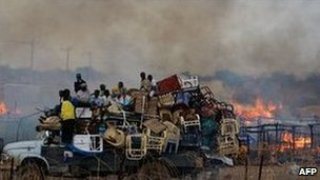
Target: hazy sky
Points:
x,y
252,37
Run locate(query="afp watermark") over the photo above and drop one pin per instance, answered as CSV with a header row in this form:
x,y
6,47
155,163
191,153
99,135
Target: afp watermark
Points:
x,y
308,171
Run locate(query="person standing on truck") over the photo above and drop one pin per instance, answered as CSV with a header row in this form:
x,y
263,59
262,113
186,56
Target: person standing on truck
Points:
x,y
153,85
83,95
67,116
78,82
145,84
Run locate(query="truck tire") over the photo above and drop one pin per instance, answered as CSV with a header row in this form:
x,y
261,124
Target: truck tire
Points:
x,y
30,170
153,170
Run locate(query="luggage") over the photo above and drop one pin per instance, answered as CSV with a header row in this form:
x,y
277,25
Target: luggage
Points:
x,y
141,103
166,100
152,108
169,84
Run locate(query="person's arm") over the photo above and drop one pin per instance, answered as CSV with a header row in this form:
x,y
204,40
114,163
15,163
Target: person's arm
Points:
x,y
63,110
76,88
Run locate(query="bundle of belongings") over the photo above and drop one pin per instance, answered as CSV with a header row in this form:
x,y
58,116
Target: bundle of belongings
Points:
x,y
179,114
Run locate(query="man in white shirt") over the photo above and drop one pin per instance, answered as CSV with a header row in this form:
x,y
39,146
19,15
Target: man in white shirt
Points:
x,y
83,95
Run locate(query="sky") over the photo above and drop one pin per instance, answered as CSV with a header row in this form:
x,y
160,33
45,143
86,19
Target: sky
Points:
x,y
249,37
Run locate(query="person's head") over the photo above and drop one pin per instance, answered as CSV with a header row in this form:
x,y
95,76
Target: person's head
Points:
x,y
96,93
83,87
102,87
143,75
61,93
120,84
66,94
107,93
150,78
78,76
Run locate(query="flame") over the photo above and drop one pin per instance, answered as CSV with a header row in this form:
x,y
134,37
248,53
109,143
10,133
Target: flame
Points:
x,y
3,108
258,109
289,142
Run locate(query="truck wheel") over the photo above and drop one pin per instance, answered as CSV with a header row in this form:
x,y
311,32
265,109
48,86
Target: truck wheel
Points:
x,y
30,170
153,170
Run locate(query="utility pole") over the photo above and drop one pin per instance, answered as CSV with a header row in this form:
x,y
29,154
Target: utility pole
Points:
x,y
32,44
68,49
32,48
90,64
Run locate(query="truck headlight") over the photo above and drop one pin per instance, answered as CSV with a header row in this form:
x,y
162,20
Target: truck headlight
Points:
x,y
4,157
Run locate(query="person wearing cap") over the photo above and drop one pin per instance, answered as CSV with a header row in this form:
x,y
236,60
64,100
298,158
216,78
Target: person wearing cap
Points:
x,y
67,115
78,82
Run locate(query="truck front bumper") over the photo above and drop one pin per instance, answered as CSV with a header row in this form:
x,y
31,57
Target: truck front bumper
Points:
x,y
6,162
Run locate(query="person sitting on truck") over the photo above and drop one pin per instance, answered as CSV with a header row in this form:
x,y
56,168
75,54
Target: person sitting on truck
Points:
x,y
96,100
67,115
125,101
106,98
153,85
78,83
102,89
118,90
145,84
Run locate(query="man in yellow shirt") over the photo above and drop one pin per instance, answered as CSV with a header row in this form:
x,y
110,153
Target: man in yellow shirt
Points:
x,y
67,115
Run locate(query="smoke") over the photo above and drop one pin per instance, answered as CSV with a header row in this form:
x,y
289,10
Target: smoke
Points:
x,y
253,38
291,93
267,48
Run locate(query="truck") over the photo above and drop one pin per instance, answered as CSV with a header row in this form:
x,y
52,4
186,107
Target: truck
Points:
x,y
37,159
135,145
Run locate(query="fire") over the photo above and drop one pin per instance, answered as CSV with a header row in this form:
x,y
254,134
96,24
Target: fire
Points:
x,y
299,142
258,109
3,108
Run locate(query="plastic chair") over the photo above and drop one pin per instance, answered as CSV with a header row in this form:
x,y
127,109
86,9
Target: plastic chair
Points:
x,y
189,82
172,136
228,145
190,123
155,141
91,143
165,115
229,127
136,146
83,113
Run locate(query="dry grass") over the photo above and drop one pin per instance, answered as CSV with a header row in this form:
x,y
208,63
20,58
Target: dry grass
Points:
x,y
275,172
268,173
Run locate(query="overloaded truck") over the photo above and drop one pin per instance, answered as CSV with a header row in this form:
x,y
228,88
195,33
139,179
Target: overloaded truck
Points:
x,y
180,131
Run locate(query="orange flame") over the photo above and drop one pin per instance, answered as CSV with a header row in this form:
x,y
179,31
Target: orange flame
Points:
x,y
3,108
289,142
258,109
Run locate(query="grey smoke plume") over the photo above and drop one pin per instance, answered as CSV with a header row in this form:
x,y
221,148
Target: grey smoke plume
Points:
x,y
247,37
